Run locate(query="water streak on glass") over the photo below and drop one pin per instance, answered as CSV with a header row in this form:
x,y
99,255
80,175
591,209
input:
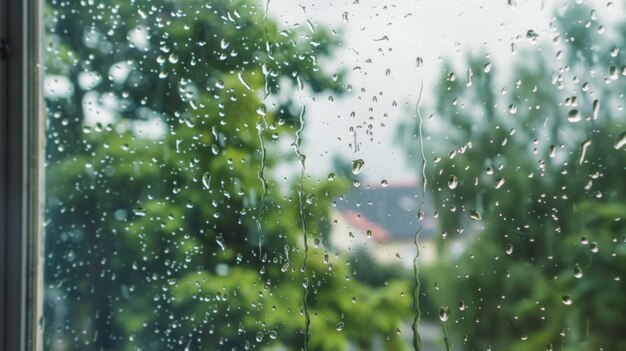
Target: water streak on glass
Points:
x,y
305,240
261,176
417,340
261,128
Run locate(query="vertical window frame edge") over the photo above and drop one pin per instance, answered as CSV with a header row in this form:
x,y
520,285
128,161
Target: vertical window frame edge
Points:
x,y
3,169
23,153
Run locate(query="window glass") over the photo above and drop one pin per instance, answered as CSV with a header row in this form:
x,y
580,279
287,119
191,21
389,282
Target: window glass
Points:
x,y
321,175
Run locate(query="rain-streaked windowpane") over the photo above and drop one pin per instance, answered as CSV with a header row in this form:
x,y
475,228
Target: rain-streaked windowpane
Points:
x,y
323,175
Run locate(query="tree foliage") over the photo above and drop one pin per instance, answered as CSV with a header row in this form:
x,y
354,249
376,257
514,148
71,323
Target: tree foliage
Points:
x,y
530,176
166,226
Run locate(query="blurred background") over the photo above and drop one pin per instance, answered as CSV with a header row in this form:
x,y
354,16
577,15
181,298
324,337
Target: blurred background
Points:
x,y
318,175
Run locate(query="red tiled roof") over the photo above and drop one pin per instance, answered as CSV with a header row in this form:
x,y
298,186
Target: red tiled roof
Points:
x,y
379,233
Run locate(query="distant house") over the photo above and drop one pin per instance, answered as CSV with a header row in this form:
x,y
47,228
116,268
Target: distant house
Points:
x,y
384,220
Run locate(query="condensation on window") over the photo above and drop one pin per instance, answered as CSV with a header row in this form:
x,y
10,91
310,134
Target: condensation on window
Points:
x,y
322,175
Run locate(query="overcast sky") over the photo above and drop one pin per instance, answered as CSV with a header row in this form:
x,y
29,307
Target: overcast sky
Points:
x,y
381,41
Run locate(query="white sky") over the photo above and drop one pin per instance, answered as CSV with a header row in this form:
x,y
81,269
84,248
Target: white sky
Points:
x,y
380,42
430,29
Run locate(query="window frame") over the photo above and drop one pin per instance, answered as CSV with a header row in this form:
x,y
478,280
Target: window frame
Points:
x,y
22,140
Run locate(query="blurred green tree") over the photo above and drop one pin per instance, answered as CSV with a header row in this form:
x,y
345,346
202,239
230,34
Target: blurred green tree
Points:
x,y
530,177
166,226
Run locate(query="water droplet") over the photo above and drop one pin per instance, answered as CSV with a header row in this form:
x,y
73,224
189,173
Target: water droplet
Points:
x,y
261,110
173,58
444,314
219,240
259,337
453,181
384,183
243,82
613,73
340,326
357,166
499,183
578,272
419,62
487,67
140,212
574,116
273,335
593,247
474,215
596,108
462,306
567,300
583,151
331,177
509,249
512,109
206,180
621,141
310,199
559,54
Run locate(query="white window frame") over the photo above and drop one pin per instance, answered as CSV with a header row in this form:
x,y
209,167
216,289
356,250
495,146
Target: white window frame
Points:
x,y
22,124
